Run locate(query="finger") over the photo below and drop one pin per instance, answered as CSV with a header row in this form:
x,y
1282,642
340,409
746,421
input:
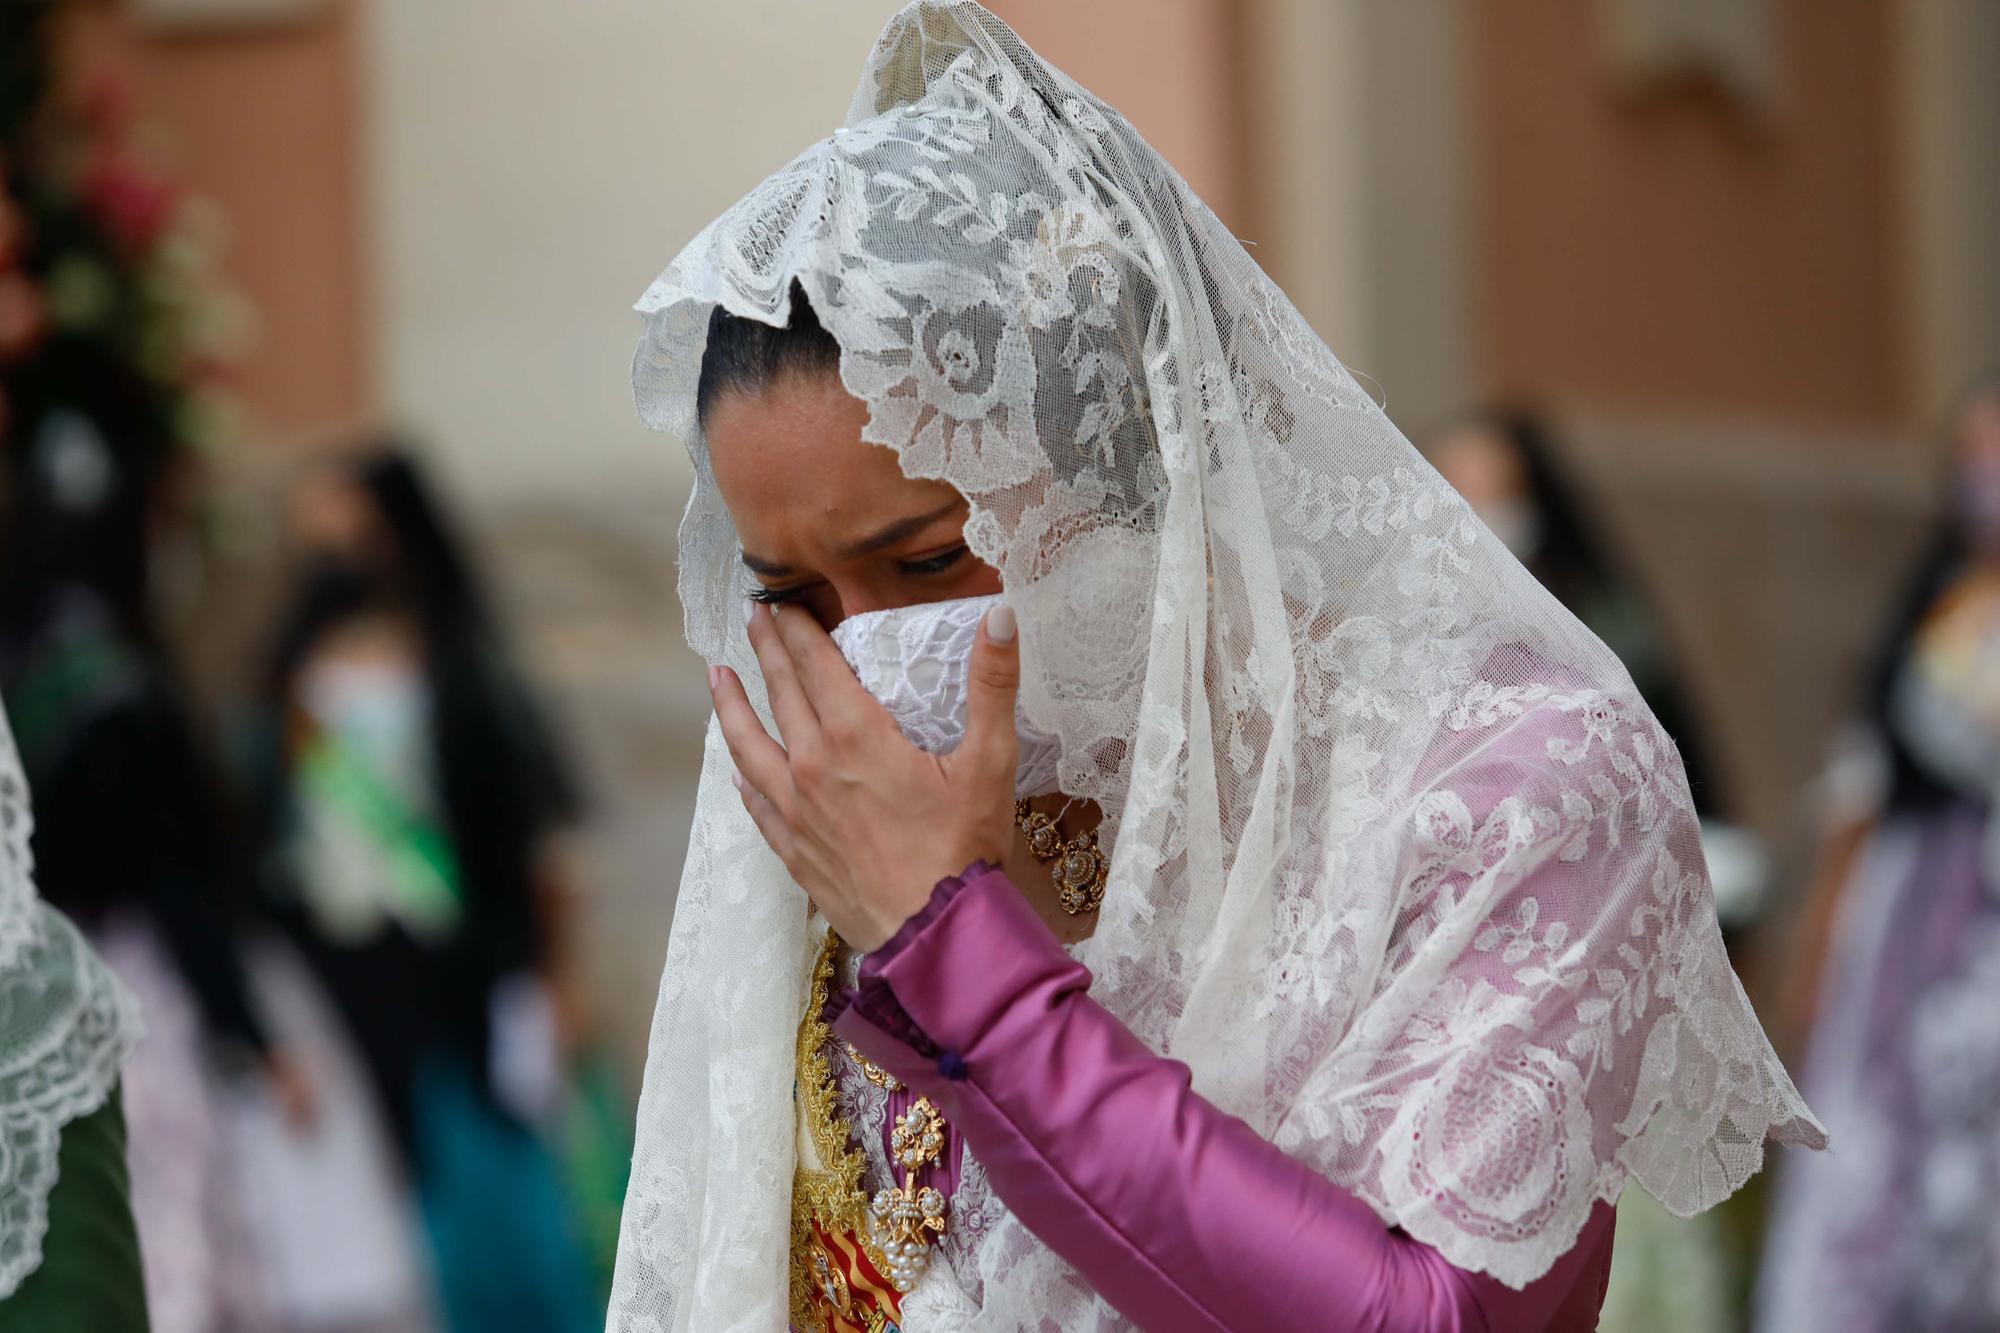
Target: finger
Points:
x,y
770,821
759,758
837,695
993,680
797,723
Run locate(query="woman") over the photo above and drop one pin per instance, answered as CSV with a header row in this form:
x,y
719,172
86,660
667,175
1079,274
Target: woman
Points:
x,y
1506,465
69,1250
1900,1230
415,792
1672,1273
133,839
1352,947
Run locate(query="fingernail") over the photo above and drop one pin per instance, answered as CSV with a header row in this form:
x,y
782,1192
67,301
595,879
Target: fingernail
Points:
x,y
736,780
1000,624
749,612
714,676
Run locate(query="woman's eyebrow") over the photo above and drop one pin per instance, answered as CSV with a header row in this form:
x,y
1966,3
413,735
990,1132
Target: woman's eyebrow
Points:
x,y
882,537
902,528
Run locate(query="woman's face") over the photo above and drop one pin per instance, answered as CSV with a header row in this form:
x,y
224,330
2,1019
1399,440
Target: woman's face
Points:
x,y
828,521
1483,465
1480,465
331,516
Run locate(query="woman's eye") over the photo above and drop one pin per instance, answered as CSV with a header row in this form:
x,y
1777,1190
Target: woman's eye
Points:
x,y
774,596
935,564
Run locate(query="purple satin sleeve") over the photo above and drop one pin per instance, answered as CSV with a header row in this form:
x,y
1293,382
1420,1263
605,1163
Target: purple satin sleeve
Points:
x,y
1178,1214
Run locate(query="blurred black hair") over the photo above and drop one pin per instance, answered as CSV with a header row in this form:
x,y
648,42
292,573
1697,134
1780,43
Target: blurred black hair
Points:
x,y
1911,784
749,356
1570,558
424,573
1586,574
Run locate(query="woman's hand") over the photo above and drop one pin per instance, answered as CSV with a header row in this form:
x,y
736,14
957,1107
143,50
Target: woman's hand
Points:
x,y
866,822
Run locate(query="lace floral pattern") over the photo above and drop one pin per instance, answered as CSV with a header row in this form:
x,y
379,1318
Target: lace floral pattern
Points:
x,y
914,659
1402,868
66,1026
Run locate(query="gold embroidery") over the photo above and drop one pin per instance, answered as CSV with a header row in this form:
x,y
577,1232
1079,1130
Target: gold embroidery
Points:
x,y
892,1233
871,1071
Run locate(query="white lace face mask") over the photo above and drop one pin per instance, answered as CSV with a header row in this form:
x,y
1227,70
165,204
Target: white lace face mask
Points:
x,y
914,660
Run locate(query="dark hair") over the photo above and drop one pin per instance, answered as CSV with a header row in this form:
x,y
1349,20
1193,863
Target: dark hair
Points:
x,y
1945,555
1571,556
1585,572
749,356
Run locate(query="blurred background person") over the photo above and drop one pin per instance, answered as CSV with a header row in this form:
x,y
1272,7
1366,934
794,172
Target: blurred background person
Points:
x,y
415,798
1899,965
1506,463
112,330
70,1257
1670,1273
132,838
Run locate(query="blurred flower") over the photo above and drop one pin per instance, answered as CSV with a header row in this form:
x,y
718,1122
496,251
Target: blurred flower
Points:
x,y
208,419
133,207
13,234
24,316
82,292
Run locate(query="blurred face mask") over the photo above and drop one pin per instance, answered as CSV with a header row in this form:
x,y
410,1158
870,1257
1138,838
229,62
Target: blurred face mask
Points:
x,y
380,708
914,659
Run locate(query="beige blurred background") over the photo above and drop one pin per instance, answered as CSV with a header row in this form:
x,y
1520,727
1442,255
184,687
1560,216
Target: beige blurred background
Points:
x,y
1744,249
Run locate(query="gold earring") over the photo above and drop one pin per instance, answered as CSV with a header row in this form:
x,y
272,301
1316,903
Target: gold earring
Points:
x,y
1077,866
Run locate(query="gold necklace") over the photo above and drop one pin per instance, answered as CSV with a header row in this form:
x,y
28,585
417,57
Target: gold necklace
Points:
x,y
1077,866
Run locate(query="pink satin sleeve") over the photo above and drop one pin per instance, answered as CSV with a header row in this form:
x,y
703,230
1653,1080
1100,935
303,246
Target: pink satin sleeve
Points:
x,y
1178,1214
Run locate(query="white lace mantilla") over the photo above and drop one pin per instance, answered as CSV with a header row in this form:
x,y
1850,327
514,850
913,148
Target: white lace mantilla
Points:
x,y
1402,868
66,1025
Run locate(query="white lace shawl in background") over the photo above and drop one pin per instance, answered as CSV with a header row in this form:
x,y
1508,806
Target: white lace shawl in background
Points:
x,y
66,1025
1402,868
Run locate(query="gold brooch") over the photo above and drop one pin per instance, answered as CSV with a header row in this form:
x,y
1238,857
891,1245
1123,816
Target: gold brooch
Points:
x,y
907,1218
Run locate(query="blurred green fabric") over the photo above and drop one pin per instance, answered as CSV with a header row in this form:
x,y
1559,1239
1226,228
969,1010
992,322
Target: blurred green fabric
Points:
x,y
90,1276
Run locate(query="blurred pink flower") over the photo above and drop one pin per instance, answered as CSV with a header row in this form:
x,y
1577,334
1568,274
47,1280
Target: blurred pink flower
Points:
x,y
132,206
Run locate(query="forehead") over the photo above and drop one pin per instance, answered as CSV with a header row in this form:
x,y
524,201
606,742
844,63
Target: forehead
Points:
x,y
790,460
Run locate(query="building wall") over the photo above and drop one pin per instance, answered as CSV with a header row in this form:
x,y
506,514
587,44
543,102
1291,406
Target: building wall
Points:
x,y
1664,251
265,122
1171,66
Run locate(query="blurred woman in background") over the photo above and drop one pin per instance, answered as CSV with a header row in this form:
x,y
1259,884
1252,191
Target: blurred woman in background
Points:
x,y
415,793
1669,1273
1900,967
1505,462
70,1255
132,839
